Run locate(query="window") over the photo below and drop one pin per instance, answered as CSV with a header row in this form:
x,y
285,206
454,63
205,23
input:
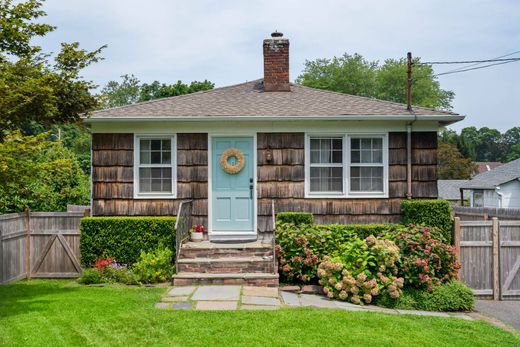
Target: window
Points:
x,y
154,169
366,164
326,164
478,198
346,166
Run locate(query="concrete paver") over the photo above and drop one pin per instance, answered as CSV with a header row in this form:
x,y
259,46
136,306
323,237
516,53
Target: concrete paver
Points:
x,y
260,291
174,298
181,291
260,300
224,293
291,299
505,311
185,305
216,305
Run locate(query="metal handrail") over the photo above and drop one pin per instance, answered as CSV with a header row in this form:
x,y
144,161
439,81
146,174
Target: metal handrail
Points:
x,y
182,228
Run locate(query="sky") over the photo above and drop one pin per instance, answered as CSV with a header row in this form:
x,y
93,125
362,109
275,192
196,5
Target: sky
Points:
x,y
221,41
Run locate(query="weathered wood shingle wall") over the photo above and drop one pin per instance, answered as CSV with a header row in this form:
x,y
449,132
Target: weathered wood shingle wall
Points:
x,y
112,176
282,179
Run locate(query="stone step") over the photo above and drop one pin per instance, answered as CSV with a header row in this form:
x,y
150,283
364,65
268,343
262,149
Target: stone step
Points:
x,y
207,249
251,279
252,264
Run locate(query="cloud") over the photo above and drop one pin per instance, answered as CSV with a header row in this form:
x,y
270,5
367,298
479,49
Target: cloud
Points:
x,y
221,40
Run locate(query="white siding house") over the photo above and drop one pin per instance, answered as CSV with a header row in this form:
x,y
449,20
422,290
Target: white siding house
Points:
x,y
499,188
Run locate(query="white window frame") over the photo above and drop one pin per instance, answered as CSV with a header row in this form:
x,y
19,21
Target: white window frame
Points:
x,y
137,165
347,193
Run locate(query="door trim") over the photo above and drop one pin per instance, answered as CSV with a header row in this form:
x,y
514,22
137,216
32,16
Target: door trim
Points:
x,y
231,235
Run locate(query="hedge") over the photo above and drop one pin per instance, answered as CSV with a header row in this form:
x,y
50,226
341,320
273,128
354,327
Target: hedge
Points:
x,y
430,213
123,238
294,218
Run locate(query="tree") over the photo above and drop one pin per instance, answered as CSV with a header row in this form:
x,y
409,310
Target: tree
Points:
x,y
32,87
39,174
452,165
352,74
130,90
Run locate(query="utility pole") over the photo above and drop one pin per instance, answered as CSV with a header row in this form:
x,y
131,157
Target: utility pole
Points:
x,y
409,74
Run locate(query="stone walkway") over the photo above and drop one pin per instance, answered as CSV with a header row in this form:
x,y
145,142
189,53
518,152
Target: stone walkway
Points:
x,y
217,298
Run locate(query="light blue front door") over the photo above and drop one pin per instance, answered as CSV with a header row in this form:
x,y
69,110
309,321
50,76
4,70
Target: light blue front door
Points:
x,y
232,194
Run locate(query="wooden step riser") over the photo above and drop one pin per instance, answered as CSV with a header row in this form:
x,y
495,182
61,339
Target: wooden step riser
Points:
x,y
238,267
187,253
257,282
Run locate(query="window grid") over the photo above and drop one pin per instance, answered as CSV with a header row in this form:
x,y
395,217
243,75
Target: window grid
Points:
x,y
326,171
155,166
366,164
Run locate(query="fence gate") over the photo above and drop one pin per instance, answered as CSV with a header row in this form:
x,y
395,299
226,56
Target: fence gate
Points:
x,y
489,252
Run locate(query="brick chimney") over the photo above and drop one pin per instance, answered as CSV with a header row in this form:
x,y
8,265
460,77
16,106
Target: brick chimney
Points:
x,y
276,63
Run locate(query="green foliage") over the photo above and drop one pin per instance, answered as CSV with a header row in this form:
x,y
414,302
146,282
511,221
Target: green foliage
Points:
x,y
450,296
362,270
426,261
484,144
300,248
92,276
430,213
352,74
153,267
452,165
123,238
39,174
32,88
294,218
130,90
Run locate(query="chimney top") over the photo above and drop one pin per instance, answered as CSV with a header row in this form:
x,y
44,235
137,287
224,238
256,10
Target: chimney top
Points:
x,y
276,34
276,63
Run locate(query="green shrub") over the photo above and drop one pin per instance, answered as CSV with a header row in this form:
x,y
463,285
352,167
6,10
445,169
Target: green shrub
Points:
x,y
300,248
425,261
430,213
123,238
153,267
91,276
450,296
294,218
362,270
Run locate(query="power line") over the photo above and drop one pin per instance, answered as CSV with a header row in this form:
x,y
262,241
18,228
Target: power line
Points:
x,y
476,64
469,61
476,68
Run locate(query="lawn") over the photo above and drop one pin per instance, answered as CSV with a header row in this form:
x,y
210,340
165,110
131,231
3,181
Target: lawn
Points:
x,y
63,313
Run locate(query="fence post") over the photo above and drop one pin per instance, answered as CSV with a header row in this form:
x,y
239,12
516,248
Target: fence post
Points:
x,y
28,243
496,259
456,235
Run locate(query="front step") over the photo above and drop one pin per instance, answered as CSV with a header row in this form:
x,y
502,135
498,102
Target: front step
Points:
x,y
251,279
208,249
252,264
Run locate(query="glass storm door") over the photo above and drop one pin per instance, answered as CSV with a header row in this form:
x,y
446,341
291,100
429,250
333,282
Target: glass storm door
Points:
x,y
232,193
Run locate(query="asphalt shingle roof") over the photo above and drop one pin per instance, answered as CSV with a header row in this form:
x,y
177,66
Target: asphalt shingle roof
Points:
x,y
449,189
491,179
249,99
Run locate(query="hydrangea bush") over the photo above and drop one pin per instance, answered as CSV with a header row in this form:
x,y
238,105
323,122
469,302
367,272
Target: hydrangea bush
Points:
x,y
363,270
426,261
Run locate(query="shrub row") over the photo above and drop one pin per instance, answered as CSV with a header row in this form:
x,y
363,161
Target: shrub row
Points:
x,y
430,213
294,218
124,238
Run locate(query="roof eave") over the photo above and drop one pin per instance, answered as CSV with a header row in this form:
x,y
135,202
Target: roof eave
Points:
x,y
442,119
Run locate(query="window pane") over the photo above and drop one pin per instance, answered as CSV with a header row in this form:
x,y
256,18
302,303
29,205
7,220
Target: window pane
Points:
x,y
156,145
377,156
326,150
166,172
156,157
366,143
366,179
337,157
315,157
156,185
167,185
144,157
355,156
325,155
325,179
354,143
337,144
156,172
144,185
166,157
145,145
166,145
315,144
366,156
145,173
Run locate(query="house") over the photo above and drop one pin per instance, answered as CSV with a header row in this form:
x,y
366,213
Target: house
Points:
x,y
483,166
450,190
499,187
236,149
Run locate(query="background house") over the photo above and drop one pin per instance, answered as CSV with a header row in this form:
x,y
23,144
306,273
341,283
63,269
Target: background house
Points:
x,y
450,190
499,187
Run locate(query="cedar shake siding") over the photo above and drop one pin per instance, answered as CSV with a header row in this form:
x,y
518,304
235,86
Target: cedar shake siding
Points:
x,y
112,177
281,179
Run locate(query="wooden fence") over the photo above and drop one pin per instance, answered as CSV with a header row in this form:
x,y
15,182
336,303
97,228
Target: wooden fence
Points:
x,y
39,244
485,213
489,252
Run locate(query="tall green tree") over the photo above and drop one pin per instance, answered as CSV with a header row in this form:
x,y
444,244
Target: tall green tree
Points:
x,y
352,74
452,165
130,90
33,86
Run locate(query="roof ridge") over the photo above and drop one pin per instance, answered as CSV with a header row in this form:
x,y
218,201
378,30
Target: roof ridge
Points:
x,y
374,99
175,96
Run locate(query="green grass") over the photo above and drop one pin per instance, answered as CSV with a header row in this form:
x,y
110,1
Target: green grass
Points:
x,y
63,313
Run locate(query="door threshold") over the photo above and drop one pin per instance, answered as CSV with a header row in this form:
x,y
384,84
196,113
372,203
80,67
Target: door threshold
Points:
x,y
232,236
